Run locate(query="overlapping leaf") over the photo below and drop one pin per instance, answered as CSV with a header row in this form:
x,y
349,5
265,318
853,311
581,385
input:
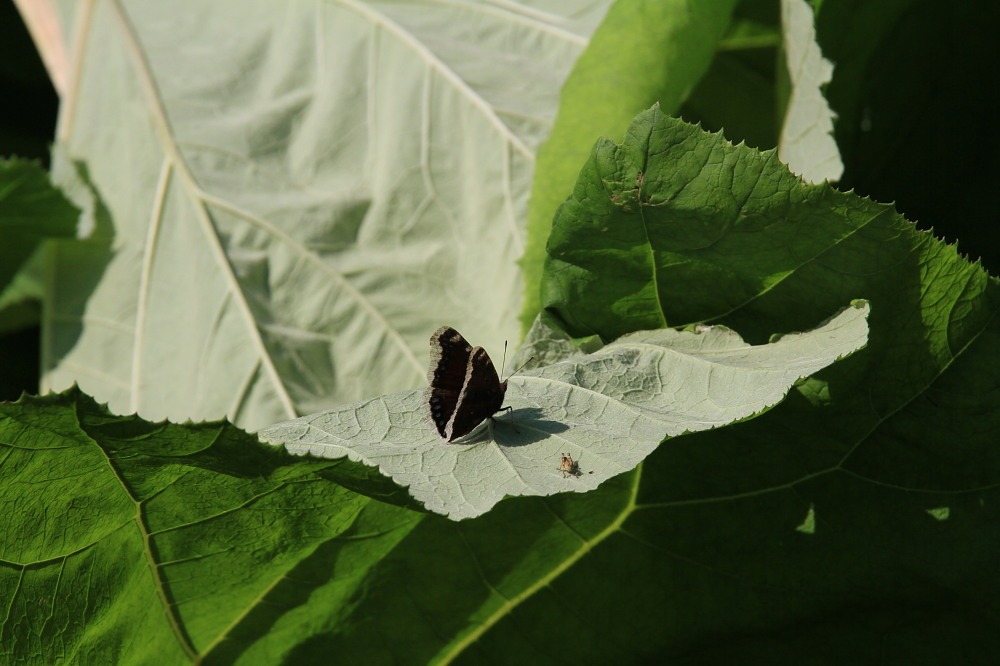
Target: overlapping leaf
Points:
x,y
855,523
135,542
806,143
882,471
31,210
671,44
275,200
607,411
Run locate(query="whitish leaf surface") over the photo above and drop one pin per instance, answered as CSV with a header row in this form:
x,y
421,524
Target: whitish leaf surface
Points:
x,y
607,410
806,143
279,189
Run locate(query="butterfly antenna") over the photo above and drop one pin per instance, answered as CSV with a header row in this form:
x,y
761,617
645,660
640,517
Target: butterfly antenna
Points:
x,y
503,366
522,366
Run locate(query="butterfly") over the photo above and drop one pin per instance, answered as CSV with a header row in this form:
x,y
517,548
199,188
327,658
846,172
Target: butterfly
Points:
x,y
464,388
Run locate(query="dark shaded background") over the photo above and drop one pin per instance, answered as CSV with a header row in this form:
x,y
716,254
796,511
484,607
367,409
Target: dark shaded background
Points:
x,y
27,126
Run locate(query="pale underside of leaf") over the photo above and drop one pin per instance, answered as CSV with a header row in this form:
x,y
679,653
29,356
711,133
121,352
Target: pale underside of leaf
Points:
x,y
276,204
607,410
806,143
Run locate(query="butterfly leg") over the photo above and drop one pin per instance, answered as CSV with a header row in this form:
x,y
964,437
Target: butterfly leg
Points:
x,y
491,421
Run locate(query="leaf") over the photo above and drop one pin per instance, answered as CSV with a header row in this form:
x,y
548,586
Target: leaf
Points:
x,y
695,556
273,211
738,94
133,542
858,455
645,52
607,410
670,188
806,144
31,210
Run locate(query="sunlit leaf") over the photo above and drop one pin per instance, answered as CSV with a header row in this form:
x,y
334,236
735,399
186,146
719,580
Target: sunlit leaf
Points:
x,y
607,411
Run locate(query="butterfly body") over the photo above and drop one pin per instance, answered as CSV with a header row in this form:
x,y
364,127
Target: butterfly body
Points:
x,y
464,386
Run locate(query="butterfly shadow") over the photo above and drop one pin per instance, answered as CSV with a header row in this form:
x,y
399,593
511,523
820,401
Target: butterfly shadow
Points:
x,y
520,427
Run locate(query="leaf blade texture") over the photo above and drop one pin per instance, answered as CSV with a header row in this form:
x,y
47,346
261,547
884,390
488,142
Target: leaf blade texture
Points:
x,y
609,410
670,47
154,542
31,210
292,196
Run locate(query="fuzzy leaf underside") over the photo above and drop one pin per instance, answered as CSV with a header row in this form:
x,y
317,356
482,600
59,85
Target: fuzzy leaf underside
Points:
x,y
607,410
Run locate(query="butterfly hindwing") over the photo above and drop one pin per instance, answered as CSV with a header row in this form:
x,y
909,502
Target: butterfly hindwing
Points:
x,y
464,386
482,396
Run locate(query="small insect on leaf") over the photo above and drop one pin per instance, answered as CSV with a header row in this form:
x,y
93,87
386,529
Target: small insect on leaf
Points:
x,y
569,467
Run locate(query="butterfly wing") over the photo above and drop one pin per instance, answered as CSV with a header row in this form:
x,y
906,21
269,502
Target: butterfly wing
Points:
x,y
464,385
481,396
450,355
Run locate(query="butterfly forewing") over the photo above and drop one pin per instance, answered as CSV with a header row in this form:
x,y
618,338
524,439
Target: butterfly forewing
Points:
x,y
464,386
450,354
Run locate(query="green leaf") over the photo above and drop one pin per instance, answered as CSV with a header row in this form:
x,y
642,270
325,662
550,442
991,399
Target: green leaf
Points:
x,y
607,411
31,210
133,542
669,189
737,95
646,51
854,523
864,457
270,223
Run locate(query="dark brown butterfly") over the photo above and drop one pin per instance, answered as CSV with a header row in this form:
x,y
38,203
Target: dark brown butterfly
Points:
x,y
464,386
